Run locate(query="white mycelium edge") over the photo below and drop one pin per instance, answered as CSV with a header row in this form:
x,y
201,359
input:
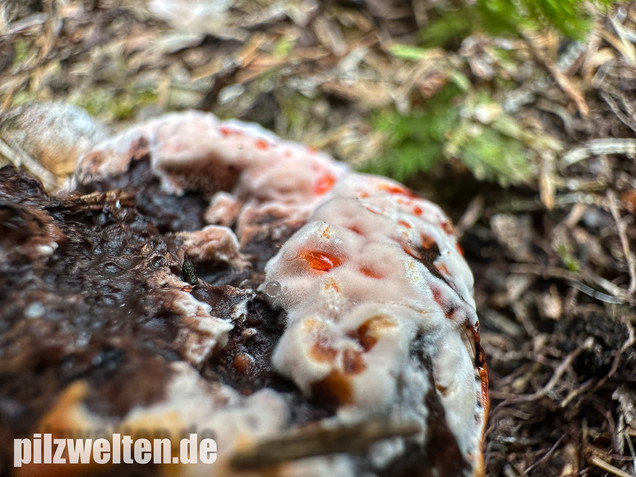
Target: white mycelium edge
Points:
x,y
374,268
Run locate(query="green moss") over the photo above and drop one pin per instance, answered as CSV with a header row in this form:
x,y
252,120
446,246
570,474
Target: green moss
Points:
x,y
297,113
97,102
568,258
126,105
408,52
283,47
450,25
463,125
491,155
22,97
22,51
111,105
415,142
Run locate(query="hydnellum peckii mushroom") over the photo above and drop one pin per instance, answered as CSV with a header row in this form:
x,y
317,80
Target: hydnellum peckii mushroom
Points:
x,y
379,327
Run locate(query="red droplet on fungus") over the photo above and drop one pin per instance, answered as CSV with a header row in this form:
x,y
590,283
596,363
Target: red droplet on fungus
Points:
x,y
261,144
370,273
324,184
226,131
397,189
321,261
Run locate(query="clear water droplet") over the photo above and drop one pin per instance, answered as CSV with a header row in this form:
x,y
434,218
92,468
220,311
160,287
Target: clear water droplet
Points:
x,y
272,289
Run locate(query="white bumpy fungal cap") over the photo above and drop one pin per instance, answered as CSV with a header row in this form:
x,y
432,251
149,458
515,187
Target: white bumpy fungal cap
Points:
x,y
378,298
373,269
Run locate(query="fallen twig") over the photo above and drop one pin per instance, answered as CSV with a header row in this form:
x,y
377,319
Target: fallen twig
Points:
x,y
617,294
597,147
320,441
606,466
19,158
622,235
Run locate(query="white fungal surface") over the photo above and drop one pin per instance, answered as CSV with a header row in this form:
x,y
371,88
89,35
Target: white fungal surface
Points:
x,y
373,268
372,283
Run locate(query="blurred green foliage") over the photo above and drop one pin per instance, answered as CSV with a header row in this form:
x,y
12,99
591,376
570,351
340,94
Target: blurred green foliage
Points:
x,y
491,155
454,22
462,122
468,127
415,141
111,104
22,51
568,258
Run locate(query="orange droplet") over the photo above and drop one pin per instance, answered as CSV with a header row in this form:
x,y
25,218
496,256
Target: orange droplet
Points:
x,y
226,131
321,261
324,184
397,189
370,273
404,223
460,249
261,144
417,210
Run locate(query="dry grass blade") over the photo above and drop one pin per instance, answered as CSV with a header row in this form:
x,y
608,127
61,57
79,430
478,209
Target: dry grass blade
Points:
x,y
622,234
597,147
20,159
607,467
618,294
623,43
566,85
629,116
